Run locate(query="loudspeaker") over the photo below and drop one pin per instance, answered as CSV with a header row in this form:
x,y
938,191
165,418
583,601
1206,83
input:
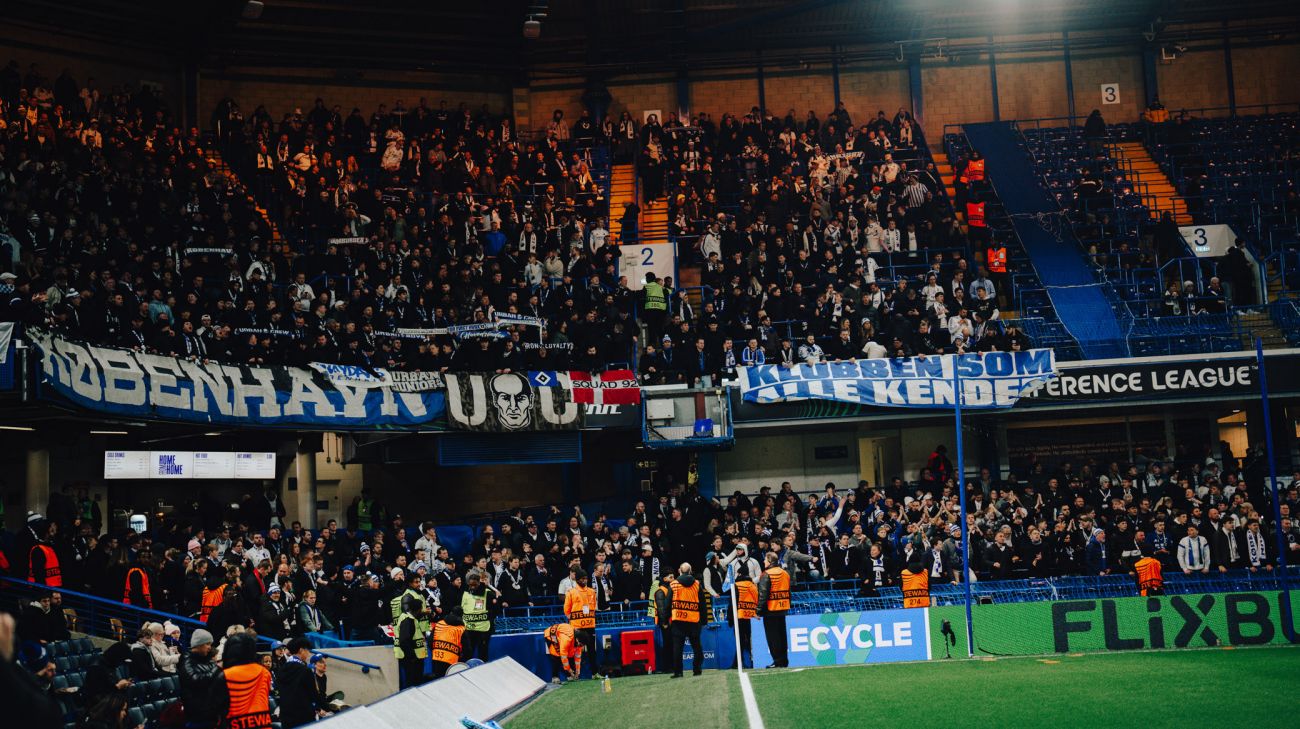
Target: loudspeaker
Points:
x,y
532,29
253,9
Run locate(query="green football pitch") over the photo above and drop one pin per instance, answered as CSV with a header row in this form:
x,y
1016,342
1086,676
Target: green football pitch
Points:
x,y
1245,687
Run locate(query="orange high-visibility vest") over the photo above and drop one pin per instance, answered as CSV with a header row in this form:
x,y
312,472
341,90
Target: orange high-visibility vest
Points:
x,y
51,576
144,588
778,595
916,589
974,171
249,686
446,642
746,600
686,603
560,641
996,259
580,606
1150,576
211,599
975,214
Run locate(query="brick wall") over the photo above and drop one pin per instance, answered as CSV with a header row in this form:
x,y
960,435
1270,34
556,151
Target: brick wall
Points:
x,y
1266,75
109,65
1031,88
639,94
545,98
283,90
1091,73
1195,80
954,94
866,90
721,96
800,92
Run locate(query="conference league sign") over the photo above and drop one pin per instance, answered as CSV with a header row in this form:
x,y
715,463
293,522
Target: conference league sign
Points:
x,y
125,382
840,639
988,380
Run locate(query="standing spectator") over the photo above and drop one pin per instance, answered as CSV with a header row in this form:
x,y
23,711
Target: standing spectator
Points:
x,y
688,616
773,604
296,686
1194,552
198,676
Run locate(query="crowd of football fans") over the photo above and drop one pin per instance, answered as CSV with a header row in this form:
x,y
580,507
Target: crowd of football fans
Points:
x,y
336,236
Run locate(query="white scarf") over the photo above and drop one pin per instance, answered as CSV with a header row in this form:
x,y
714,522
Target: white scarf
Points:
x,y
1255,545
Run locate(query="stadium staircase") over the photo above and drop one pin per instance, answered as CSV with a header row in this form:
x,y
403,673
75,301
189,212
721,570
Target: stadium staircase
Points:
x,y
622,192
1086,308
218,163
1157,191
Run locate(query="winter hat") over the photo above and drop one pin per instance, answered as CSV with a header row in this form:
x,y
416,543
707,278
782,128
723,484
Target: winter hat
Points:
x,y
396,574
273,588
33,517
33,656
200,637
169,628
193,545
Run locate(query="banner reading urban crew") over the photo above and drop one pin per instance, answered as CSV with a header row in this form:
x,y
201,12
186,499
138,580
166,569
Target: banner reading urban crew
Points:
x,y
125,382
839,639
988,380
509,403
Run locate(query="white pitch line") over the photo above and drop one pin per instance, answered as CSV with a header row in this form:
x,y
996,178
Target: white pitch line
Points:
x,y
751,706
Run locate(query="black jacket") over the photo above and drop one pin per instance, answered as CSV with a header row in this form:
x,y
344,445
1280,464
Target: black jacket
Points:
x,y
297,689
198,680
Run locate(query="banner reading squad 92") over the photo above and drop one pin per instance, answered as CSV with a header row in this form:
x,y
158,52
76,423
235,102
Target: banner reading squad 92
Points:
x,y
988,380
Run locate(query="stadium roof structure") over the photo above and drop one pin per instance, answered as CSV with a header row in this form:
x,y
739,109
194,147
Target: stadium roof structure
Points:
x,y
616,37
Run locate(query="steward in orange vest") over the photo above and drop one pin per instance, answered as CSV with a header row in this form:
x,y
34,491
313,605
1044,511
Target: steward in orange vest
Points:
x,y
580,607
1150,575
746,610
995,258
135,591
687,618
773,604
447,645
974,169
244,686
565,651
916,587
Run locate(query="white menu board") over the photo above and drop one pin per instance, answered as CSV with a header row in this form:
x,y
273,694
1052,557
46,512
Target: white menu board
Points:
x,y
171,464
126,464
188,464
255,465
214,464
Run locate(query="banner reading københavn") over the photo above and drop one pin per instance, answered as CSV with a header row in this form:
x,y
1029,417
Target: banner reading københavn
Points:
x,y
509,403
988,380
125,382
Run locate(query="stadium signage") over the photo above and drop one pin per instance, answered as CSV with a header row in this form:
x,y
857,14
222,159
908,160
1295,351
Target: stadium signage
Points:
x,y
836,639
988,380
129,383
1157,379
1178,621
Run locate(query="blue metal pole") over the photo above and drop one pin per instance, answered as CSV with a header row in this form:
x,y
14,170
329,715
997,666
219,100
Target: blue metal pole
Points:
x,y
961,491
1288,625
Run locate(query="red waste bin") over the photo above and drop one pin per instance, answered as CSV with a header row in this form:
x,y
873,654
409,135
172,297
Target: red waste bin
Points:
x,y
638,646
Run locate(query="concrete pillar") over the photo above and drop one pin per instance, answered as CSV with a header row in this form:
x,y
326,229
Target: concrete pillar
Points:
x,y
37,481
305,465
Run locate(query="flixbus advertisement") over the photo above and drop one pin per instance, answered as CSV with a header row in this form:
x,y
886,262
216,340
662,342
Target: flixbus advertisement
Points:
x,y
840,639
1113,624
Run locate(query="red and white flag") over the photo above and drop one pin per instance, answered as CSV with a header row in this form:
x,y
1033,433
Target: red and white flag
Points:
x,y
615,387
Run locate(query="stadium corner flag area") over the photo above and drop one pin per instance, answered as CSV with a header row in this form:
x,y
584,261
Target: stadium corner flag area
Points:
x,y
1152,690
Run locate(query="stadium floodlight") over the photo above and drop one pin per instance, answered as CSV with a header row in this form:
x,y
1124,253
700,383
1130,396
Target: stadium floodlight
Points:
x,y
23,428
109,432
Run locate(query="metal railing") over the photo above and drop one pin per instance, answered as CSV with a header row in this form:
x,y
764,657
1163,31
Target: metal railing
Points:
x,y
101,618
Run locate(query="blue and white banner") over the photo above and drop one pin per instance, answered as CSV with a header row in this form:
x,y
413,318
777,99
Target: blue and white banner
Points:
x,y
842,639
129,383
988,380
